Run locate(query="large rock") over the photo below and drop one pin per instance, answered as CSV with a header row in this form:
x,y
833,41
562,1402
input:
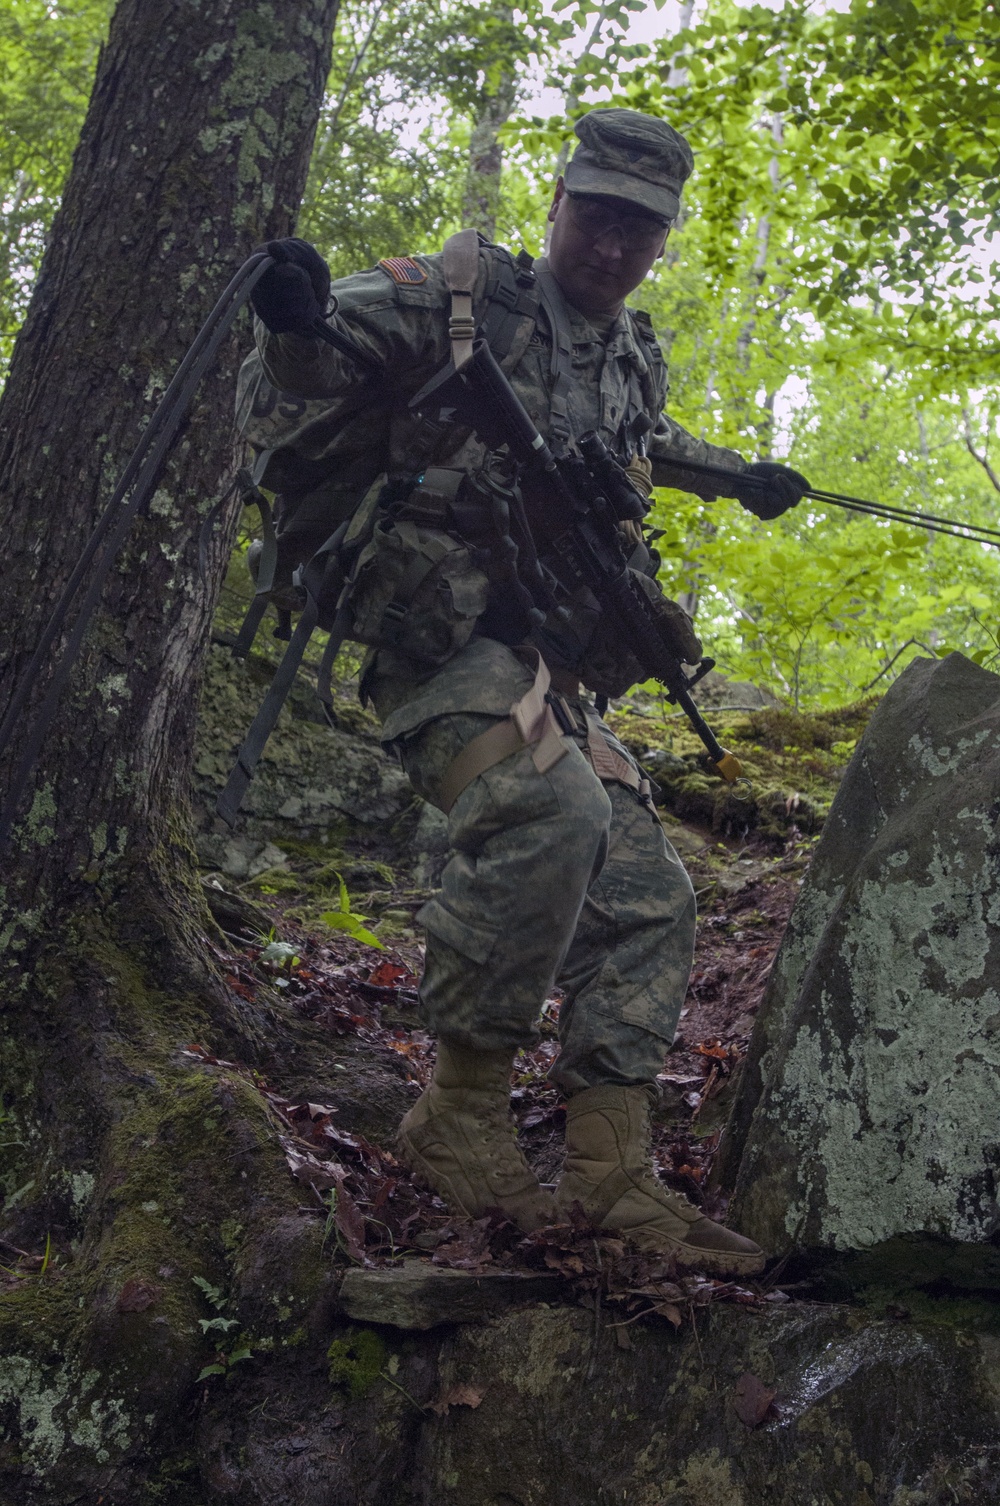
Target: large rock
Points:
x,y
311,778
868,1107
544,1407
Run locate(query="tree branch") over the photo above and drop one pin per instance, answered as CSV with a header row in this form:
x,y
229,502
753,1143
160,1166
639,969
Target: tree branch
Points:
x,y
910,643
982,459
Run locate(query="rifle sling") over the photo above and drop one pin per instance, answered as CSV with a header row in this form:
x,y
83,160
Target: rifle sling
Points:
x,y
264,722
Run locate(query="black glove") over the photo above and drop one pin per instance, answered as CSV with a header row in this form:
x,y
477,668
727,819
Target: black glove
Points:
x,y
783,489
291,295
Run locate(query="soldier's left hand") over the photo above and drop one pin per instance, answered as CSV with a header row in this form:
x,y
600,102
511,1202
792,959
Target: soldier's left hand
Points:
x,y
783,488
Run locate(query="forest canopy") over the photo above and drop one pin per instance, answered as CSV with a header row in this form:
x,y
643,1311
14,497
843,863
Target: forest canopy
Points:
x,y
829,296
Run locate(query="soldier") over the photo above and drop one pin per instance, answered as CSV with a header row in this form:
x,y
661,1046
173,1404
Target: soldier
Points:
x,y
560,872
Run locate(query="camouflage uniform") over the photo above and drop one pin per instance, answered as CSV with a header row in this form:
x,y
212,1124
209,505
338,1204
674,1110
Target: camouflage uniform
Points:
x,y
555,877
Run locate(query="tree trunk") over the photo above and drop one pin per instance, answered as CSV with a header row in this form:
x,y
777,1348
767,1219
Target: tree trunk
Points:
x,y
195,148
481,195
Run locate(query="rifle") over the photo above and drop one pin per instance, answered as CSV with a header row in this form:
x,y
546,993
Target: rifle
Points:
x,y
570,508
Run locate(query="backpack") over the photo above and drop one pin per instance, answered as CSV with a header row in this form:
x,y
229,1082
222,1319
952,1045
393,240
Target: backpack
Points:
x,y
352,490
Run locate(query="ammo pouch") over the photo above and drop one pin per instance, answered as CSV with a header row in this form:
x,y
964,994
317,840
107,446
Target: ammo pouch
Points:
x,y
416,590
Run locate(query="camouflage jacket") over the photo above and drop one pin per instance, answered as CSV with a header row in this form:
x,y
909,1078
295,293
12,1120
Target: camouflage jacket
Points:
x,y
331,430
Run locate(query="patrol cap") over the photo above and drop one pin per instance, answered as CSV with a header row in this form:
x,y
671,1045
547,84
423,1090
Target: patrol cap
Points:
x,y
627,155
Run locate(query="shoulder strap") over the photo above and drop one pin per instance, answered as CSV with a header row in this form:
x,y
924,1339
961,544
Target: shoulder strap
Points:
x,y
461,270
509,304
554,305
511,312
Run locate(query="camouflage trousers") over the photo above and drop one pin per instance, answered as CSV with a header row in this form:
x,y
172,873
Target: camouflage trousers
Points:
x,y
554,879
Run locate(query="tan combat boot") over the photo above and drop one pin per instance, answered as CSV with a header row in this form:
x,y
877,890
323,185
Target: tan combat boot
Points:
x,y
460,1138
609,1172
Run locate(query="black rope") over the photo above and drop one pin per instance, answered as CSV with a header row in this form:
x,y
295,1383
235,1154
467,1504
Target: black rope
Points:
x,y
976,533
137,483
165,413
951,528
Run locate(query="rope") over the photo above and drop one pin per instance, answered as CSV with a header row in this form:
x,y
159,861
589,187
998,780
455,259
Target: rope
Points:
x,y
137,483
976,533
142,472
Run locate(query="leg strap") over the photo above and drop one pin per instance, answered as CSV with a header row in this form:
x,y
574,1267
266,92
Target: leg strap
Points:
x,y
532,723
609,765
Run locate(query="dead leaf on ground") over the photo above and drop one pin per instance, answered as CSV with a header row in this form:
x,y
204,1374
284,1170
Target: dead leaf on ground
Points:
x,y
567,1262
310,1170
467,1248
753,1401
350,1223
389,975
456,1396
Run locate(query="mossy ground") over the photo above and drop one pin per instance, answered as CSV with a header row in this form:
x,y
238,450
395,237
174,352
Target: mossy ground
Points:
x,y
793,762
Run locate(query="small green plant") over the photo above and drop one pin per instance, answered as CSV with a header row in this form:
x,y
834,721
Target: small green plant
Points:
x,y
344,919
281,955
217,1328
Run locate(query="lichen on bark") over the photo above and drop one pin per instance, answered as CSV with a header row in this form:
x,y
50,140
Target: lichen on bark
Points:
x,y
121,1157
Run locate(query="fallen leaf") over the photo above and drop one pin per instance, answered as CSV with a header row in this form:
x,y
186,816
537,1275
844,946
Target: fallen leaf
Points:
x,y
467,1249
713,1047
752,1400
456,1396
137,1294
310,1170
564,1261
388,975
245,990
350,1224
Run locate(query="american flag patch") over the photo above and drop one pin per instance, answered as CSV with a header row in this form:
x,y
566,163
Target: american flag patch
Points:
x,y
403,269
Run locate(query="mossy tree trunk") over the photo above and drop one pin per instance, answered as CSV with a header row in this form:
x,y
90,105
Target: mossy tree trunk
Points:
x,y
140,1171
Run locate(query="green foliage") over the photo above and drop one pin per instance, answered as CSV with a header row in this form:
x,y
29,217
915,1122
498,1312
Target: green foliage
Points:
x,y
217,1329
357,1361
407,85
859,149
48,53
344,919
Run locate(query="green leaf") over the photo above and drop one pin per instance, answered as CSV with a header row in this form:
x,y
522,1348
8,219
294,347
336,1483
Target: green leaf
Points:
x,y
353,925
279,951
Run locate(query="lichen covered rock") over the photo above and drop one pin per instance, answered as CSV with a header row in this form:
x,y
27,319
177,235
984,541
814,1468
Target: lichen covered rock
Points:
x,y
868,1104
311,778
545,1407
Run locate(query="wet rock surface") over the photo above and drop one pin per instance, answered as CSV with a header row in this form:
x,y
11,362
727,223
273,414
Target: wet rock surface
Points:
x,y
416,1295
867,1108
542,1407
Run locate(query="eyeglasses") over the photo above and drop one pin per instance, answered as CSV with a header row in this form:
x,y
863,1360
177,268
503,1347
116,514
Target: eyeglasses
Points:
x,y
639,232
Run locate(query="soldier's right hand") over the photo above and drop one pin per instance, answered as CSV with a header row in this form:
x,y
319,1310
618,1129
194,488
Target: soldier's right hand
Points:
x,y
295,292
